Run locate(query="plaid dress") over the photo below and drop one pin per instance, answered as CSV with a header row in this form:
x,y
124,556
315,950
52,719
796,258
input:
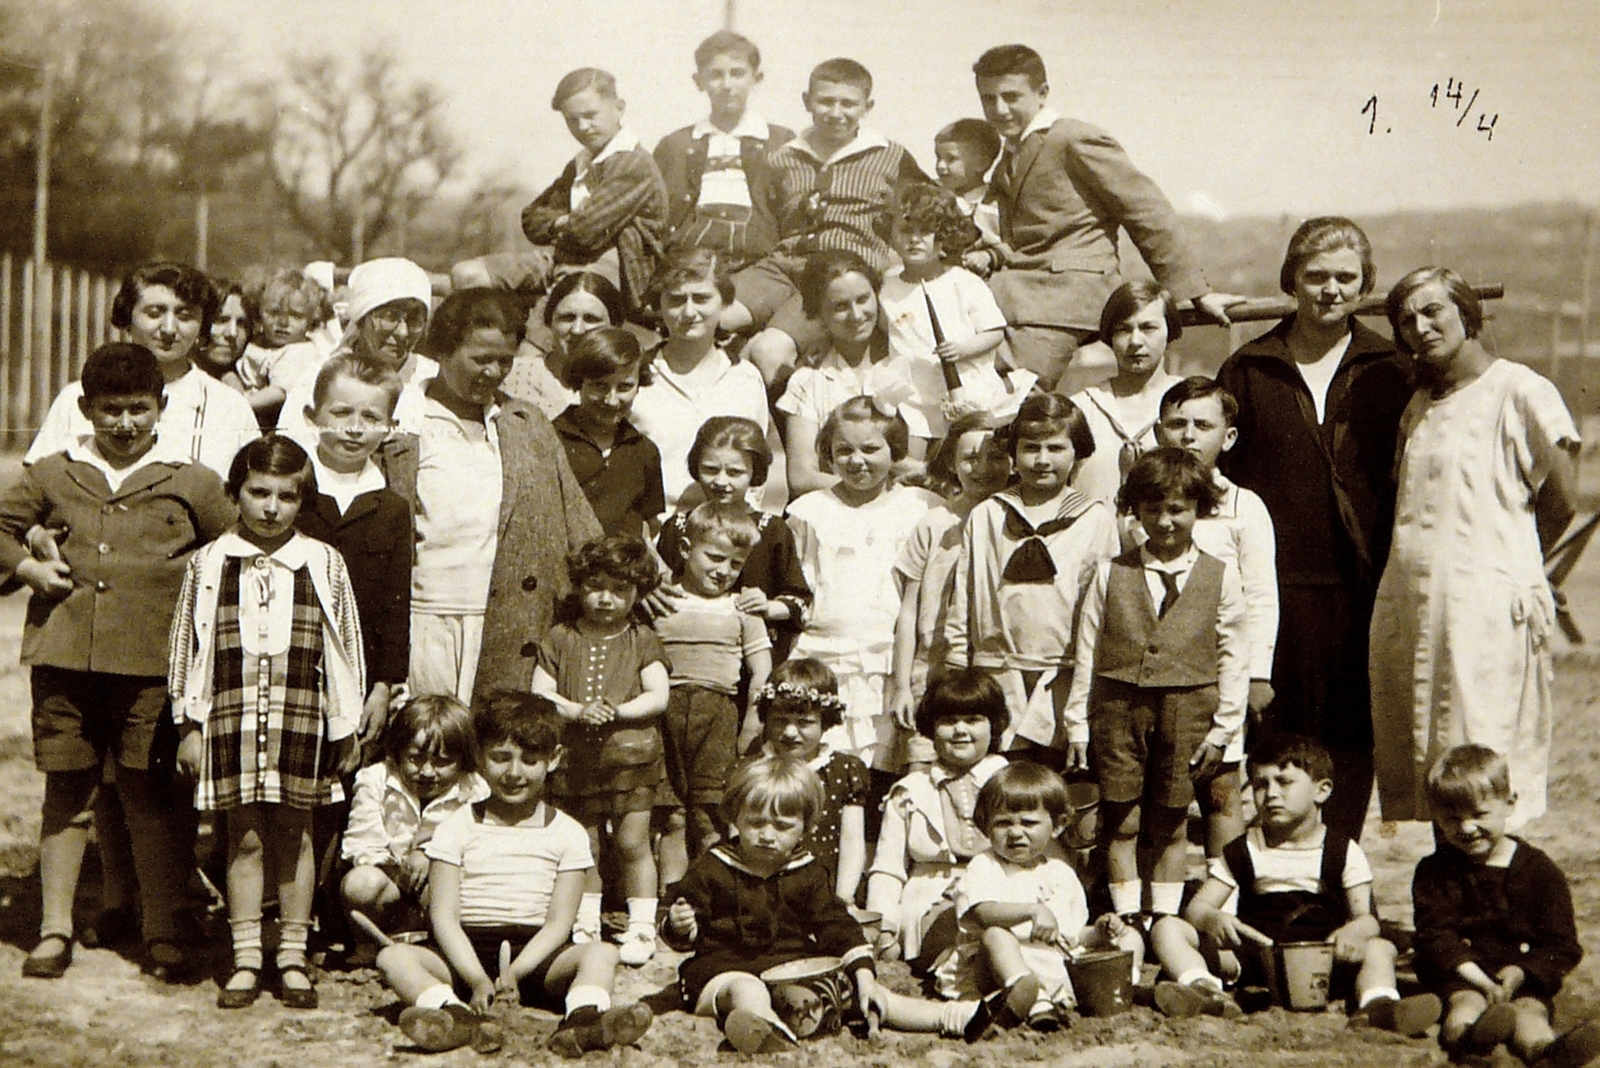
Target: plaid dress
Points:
x,y
265,742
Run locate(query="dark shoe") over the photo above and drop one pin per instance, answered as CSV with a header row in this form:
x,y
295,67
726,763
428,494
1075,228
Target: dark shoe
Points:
x,y
746,1032
112,927
1577,1048
49,965
1048,1021
1410,1016
588,1029
1002,1010
438,1030
240,997
1495,1027
296,997
170,961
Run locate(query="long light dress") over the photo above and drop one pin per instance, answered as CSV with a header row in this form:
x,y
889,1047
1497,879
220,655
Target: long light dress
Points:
x,y
1460,646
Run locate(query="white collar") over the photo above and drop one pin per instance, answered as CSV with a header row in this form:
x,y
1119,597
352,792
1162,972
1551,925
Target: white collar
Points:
x,y
625,140
749,125
1043,120
980,772
864,141
86,450
292,554
366,480
816,763
726,854
1184,562
432,409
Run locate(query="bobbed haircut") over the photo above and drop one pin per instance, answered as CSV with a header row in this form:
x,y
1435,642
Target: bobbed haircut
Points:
x,y
1169,472
584,78
841,71
942,460
778,785
804,673
691,266
272,454
121,368
1045,415
1467,775
187,283
444,723
974,134
467,310
960,694
282,282
1127,299
1460,293
924,208
228,287
862,410
596,285
1021,786
600,353
618,556
732,432
730,521
368,373
727,43
823,268
1286,750
1324,234
1199,387
530,720
1001,60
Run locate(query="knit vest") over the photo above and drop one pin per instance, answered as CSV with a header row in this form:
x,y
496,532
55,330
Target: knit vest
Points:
x,y
1293,915
1177,650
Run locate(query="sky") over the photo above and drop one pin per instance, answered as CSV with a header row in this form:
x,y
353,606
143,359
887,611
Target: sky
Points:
x,y
1235,107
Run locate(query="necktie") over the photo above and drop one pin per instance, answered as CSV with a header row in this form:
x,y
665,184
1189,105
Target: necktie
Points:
x,y
1169,594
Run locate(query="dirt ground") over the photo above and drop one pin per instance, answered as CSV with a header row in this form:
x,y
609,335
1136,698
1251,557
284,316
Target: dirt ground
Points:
x,y
106,1012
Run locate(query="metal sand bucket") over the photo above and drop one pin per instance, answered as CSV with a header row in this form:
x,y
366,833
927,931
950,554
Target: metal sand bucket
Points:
x,y
1297,974
1103,982
811,995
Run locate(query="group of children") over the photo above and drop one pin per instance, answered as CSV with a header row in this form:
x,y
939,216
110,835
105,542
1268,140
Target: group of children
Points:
x,y
987,610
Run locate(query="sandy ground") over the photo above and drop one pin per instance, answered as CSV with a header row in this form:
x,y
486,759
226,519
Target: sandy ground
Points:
x,y
106,1012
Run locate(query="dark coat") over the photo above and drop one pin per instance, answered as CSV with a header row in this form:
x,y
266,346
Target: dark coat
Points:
x,y
681,158
377,539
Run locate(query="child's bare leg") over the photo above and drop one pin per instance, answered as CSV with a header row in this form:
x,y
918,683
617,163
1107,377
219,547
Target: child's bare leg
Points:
x,y
1219,802
672,848
246,882
1176,945
632,837
771,351
1003,953
1376,976
367,888
1168,832
409,970
1463,1011
64,834
586,927
1533,1031
735,318
294,860
923,1016
1120,832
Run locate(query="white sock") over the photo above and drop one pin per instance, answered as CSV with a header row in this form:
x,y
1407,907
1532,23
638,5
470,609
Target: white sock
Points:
x,y
588,918
642,912
579,997
1166,899
437,996
1379,993
1199,977
1125,897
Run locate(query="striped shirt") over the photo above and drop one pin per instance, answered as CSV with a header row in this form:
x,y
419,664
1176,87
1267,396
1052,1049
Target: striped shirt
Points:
x,y
832,203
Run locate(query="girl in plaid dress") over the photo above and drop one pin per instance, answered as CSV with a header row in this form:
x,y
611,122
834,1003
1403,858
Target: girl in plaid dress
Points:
x,y
267,682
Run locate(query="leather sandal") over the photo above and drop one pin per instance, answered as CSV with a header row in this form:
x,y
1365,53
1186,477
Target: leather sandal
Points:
x,y
240,997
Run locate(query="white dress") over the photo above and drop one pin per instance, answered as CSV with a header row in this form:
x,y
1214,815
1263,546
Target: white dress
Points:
x,y
1461,629
1123,428
848,556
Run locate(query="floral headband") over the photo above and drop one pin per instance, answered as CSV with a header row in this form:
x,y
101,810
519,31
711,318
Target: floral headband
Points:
x,y
809,694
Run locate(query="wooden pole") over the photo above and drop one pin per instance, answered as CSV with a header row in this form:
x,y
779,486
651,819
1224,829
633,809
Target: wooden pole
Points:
x,y
22,404
202,228
8,368
80,349
41,222
101,298
43,285
61,366
1260,309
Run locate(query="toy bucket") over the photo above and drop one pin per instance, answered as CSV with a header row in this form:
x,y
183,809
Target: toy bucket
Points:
x,y
1103,982
1297,974
810,996
1083,803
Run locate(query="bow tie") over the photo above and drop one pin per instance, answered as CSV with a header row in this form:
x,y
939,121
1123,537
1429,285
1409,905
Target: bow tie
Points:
x,y
1031,561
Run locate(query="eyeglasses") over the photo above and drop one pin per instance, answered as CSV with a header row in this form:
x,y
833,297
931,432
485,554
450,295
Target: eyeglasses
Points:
x,y
390,316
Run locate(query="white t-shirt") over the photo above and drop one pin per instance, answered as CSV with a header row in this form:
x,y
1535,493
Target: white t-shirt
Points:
x,y
1283,868
508,873
1051,883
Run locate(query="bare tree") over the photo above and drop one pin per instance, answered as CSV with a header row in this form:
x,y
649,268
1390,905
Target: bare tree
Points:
x,y
356,153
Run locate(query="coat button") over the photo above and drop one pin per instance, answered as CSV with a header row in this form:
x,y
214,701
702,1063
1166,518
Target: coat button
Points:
x,y
102,548
530,583
102,585
529,649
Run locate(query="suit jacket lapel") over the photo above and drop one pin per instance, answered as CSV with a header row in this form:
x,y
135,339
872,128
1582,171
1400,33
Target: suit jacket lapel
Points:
x,y
1028,154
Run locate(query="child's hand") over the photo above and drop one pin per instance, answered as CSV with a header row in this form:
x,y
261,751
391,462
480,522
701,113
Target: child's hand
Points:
x,y
977,261
414,872
1232,932
681,920
1349,946
190,749
596,714
752,600
888,946
1077,756
661,601
482,996
1110,928
1511,978
346,755
47,578
955,409
1046,928
1203,765
901,706
1261,695
374,714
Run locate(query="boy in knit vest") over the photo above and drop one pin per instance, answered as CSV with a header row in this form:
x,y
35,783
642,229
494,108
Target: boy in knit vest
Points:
x,y
1161,677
